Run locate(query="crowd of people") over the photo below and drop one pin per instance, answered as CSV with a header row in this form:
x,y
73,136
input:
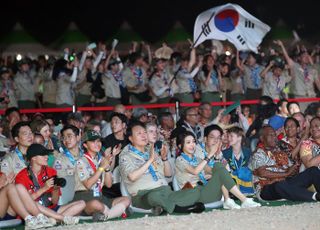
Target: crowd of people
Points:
x,y
102,77
56,168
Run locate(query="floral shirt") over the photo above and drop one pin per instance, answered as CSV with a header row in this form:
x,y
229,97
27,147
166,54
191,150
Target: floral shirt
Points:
x,y
309,148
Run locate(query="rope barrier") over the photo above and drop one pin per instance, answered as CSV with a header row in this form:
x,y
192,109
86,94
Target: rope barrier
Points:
x,y
152,106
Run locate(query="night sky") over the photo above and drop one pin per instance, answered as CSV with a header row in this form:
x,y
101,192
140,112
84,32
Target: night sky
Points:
x,y
47,20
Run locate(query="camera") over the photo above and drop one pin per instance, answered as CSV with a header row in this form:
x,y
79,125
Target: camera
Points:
x,y
58,181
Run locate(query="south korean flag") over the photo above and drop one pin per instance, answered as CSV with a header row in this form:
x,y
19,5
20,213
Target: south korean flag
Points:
x,y
230,22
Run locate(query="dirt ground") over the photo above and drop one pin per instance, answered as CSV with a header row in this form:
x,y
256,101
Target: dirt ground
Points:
x,y
304,216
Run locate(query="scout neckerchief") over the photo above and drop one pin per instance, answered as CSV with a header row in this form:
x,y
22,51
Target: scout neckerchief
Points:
x,y
163,76
118,77
192,84
279,84
20,155
97,187
137,72
211,162
145,156
306,74
69,155
255,76
194,162
214,79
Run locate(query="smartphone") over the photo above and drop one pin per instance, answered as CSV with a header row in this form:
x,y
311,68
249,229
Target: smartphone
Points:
x,y
92,45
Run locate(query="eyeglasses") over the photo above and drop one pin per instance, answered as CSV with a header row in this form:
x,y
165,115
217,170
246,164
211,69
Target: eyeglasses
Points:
x,y
68,137
193,114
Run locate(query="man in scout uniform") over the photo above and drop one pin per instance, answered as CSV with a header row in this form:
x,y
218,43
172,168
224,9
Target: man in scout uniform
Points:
x,y
92,172
14,161
136,80
65,163
144,174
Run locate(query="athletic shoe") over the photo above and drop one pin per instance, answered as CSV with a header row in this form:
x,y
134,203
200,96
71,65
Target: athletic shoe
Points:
x,y
98,217
197,208
45,221
249,203
71,220
157,210
32,223
230,204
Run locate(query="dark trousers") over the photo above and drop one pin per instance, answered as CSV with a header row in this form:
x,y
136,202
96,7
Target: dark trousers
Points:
x,y
294,188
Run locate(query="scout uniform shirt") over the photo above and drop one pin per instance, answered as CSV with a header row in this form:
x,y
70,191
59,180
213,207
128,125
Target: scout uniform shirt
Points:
x,y
135,76
213,85
25,83
273,86
161,81
131,161
252,79
65,163
302,83
85,168
13,162
183,161
112,82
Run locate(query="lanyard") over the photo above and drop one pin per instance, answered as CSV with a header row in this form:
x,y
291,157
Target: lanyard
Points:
x,y
193,162
235,161
145,156
20,155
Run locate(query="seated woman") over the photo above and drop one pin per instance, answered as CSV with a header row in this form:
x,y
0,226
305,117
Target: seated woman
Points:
x,y
92,172
213,182
14,202
238,157
290,142
310,148
39,180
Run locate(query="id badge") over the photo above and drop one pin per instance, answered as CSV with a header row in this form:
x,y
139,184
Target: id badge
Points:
x,y
97,189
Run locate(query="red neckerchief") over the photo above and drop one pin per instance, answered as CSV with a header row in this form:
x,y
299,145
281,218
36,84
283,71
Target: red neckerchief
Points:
x,y
90,160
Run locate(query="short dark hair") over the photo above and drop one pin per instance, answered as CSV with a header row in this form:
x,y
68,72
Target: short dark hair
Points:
x,y
292,102
164,115
261,131
182,136
11,110
210,128
121,116
132,125
16,128
280,103
74,129
291,119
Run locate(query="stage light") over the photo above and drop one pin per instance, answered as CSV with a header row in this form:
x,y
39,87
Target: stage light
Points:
x,y
228,53
19,57
46,57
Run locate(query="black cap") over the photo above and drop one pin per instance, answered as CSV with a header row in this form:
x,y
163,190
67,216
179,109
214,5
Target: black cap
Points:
x,y
37,150
4,70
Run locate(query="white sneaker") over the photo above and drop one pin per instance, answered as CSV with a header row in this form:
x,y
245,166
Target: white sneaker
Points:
x,y
249,203
71,220
230,204
45,221
32,223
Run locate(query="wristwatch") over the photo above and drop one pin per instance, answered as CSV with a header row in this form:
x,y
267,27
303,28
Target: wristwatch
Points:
x,y
207,159
107,170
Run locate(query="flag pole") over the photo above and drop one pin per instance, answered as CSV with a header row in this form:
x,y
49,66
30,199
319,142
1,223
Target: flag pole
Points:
x,y
192,46
202,31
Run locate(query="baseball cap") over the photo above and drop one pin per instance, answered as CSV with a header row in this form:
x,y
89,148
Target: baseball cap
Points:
x,y
4,70
90,135
37,150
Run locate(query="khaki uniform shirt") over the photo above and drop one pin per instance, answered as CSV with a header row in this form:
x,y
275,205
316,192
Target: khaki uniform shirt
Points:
x,y
111,86
212,86
12,163
249,72
158,82
301,86
65,90
25,83
131,80
82,86
49,88
129,162
273,86
83,172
